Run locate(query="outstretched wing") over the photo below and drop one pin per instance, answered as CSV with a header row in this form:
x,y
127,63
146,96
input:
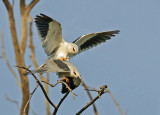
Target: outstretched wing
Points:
x,y
50,32
90,40
53,66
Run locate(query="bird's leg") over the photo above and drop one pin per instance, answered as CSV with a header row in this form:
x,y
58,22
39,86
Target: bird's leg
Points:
x,y
63,59
66,79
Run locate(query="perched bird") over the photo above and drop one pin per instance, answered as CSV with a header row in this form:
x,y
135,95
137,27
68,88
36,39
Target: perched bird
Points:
x,y
65,70
50,32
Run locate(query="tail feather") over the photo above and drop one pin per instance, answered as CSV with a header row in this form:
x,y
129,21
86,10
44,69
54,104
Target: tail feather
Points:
x,y
29,73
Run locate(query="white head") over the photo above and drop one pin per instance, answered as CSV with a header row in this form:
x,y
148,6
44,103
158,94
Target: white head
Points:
x,y
76,77
73,70
72,48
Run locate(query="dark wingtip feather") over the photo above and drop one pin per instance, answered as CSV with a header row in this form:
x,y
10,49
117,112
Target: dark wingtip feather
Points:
x,y
43,17
116,31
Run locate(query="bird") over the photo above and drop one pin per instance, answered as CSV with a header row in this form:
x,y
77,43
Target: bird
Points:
x,y
64,69
50,33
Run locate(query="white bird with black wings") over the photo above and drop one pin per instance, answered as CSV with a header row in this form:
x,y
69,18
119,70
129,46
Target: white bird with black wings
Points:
x,y
50,32
64,70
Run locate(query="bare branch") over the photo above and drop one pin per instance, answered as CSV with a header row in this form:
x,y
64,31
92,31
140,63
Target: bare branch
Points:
x,y
41,86
13,30
47,91
22,6
102,89
7,4
32,4
13,101
25,10
7,62
90,96
56,109
61,81
24,112
126,113
115,101
19,56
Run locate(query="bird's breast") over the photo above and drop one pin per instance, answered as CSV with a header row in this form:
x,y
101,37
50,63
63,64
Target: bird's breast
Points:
x,y
60,53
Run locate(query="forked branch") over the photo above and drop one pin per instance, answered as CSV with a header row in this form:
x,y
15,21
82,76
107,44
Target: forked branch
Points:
x,y
32,4
100,92
61,81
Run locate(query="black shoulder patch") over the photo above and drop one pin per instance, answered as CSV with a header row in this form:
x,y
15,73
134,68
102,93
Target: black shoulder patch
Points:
x,y
62,65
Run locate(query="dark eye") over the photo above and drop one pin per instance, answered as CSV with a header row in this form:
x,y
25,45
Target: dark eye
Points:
x,y
73,49
74,73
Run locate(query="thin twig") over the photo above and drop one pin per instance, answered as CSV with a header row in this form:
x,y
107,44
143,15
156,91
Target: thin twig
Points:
x,y
13,101
44,92
102,89
48,112
115,101
56,109
126,113
50,84
90,96
60,81
7,62
24,112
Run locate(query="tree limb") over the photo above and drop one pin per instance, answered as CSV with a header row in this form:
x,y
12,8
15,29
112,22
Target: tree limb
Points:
x,y
25,10
115,101
30,99
102,89
7,62
90,96
56,109
7,4
61,81
18,56
22,6
47,91
32,4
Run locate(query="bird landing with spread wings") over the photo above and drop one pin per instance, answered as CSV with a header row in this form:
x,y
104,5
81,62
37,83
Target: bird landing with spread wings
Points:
x,y
50,32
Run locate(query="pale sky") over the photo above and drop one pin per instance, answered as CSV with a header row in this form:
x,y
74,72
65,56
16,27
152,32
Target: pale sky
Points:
x,y
128,63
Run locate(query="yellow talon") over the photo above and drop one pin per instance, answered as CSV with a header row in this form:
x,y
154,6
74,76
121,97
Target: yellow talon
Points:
x,y
64,59
67,80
